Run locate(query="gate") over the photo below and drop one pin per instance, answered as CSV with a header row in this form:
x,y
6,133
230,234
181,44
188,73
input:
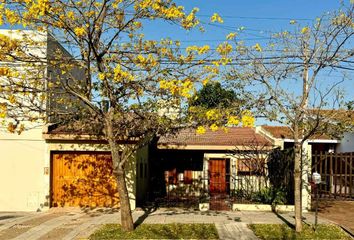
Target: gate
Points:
x,y
336,170
219,183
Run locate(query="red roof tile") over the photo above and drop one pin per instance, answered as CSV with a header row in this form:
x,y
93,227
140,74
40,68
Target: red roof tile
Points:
x,y
284,132
234,136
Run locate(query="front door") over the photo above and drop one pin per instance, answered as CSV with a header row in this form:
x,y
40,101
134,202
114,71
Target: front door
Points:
x,y
217,176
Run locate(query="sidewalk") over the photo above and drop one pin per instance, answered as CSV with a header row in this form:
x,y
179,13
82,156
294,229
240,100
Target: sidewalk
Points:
x,y
71,223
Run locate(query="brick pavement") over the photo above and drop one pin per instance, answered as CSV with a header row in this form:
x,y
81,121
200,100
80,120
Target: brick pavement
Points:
x,y
78,224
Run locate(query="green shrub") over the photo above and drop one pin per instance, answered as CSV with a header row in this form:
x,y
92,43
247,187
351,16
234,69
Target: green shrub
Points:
x,y
270,195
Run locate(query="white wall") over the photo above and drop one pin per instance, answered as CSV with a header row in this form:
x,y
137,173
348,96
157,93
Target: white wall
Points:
x,y
22,161
346,144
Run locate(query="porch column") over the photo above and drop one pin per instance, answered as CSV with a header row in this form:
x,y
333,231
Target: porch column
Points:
x,y
205,172
306,175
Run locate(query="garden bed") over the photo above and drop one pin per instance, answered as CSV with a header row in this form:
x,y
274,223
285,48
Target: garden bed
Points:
x,y
262,207
282,231
158,231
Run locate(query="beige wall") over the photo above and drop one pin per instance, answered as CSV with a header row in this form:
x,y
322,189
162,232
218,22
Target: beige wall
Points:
x,y
22,179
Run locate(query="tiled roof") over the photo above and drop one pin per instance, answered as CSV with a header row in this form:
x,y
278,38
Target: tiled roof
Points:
x,y
335,114
233,136
284,132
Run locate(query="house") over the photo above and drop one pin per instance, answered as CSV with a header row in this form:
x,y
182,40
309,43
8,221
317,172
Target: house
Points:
x,y
28,162
50,166
23,171
329,156
318,142
219,164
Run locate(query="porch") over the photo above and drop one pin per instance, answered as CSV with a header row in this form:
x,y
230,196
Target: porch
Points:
x,y
190,177
218,167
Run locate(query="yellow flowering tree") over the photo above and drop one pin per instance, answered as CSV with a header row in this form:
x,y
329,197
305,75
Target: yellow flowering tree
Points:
x,y
114,81
290,84
214,106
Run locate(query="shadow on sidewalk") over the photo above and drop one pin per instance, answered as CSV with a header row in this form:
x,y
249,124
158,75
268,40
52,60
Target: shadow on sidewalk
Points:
x,y
289,224
147,212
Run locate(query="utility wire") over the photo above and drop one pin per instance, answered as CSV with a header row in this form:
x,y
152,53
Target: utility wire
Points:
x,y
258,18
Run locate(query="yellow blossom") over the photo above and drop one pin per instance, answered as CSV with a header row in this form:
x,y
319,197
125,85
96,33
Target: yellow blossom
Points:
x,y
214,127
203,49
71,15
200,130
163,84
231,36
79,31
216,18
305,30
3,110
11,16
247,119
20,129
11,127
233,120
224,48
292,21
12,99
205,81
190,20
120,75
199,50
212,69
4,71
257,47
137,24
101,76
212,114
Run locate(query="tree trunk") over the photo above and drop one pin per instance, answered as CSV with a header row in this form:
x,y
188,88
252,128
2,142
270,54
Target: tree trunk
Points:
x,y
297,185
119,173
125,210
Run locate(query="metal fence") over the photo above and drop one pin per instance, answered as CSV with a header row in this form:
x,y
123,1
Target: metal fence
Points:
x,y
336,170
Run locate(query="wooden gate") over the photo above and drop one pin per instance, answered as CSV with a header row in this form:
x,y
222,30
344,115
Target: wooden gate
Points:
x,y
336,170
219,184
218,176
83,179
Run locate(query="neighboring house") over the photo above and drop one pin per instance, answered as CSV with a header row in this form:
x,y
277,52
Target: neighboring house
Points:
x,y
331,157
38,172
23,162
318,142
283,135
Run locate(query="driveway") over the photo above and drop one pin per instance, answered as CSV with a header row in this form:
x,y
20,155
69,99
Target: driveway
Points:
x,y
72,223
340,212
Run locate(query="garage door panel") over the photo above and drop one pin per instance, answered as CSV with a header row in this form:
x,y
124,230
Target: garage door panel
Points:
x,y
83,179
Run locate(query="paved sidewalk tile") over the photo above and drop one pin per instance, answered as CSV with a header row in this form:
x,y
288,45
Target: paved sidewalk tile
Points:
x,y
42,229
19,219
235,231
84,230
70,224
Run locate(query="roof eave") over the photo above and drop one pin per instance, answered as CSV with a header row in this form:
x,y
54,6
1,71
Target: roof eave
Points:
x,y
212,147
313,140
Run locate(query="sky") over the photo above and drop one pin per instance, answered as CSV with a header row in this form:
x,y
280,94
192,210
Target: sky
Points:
x,y
258,17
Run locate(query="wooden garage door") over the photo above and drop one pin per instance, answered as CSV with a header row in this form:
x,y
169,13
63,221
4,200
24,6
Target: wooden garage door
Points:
x,y
83,179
